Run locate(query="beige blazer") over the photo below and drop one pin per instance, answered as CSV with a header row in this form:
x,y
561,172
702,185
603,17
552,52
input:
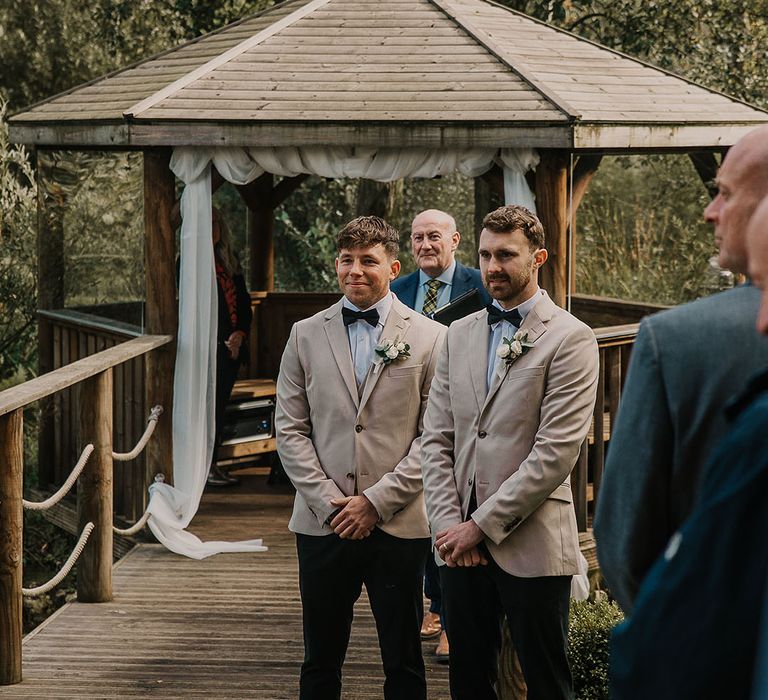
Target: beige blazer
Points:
x,y
334,441
516,442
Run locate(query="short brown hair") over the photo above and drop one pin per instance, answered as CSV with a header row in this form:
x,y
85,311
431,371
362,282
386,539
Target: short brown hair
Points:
x,y
512,217
365,231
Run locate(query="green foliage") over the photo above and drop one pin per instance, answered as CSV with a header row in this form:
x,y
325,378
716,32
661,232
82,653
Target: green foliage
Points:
x,y
640,232
589,634
17,257
305,234
103,228
49,46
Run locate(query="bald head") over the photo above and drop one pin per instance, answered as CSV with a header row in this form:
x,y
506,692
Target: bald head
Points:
x,y
742,182
757,255
434,239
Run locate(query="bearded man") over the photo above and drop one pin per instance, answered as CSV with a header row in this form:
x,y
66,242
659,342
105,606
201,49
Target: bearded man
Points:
x,y
509,407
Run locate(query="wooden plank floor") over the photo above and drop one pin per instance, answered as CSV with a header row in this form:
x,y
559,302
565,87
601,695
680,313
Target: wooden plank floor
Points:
x,y
225,627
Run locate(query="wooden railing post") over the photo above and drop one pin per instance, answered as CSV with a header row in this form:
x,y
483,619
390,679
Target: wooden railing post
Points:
x,y
94,490
11,526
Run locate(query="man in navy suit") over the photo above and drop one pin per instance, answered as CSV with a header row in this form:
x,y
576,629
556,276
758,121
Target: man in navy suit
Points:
x,y
439,280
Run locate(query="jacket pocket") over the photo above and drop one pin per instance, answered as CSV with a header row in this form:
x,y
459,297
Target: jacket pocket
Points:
x,y
405,371
526,373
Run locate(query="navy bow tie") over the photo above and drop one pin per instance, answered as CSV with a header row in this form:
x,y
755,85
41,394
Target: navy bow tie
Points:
x,y
495,314
351,316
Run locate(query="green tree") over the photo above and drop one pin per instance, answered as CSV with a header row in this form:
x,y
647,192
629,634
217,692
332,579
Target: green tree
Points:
x,y
17,257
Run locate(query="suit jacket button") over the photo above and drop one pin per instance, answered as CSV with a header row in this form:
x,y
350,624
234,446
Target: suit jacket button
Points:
x,y
350,475
482,434
469,482
358,428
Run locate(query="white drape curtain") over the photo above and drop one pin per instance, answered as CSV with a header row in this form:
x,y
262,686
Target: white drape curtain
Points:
x,y
172,507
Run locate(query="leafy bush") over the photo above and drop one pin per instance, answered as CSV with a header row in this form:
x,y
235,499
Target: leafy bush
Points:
x,y
588,646
18,221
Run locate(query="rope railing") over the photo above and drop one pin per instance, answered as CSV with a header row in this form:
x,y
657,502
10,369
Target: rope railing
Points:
x,y
58,578
154,414
66,486
137,527
141,522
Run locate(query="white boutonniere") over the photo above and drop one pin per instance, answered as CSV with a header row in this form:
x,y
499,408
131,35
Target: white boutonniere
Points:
x,y
388,351
511,348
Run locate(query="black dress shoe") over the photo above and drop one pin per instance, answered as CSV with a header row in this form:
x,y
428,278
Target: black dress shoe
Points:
x,y
217,477
216,480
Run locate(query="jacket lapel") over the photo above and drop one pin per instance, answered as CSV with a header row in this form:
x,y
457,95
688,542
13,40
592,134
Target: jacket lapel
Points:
x,y
477,339
410,287
397,325
339,342
459,284
535,325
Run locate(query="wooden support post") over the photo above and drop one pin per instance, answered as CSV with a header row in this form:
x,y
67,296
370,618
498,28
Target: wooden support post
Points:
x,y
552,208
162,315
706,166
258,197
94,490
482,207
50,295
11,527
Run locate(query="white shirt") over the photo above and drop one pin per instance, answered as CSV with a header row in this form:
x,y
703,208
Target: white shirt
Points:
x,y
363,337
443,293
504,329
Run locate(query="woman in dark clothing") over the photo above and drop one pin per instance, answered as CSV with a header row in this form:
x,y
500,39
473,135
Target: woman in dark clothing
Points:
x,y
234,325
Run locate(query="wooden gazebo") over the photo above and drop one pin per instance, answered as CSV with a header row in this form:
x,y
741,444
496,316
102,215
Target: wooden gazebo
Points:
x,y
432,74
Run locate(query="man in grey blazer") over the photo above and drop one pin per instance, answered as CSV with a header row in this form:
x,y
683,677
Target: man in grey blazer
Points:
x,y
440,278
510,405
686,364
351,395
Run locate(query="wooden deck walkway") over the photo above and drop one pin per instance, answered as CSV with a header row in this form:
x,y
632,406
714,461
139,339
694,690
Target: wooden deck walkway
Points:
x,y
225,627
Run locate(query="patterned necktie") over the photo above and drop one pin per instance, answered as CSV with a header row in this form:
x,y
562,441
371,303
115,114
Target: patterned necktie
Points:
x,y
430,298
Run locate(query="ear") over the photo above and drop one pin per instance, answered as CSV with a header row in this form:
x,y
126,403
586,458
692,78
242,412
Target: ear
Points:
x,y
540,257
394,269
455,239
336,263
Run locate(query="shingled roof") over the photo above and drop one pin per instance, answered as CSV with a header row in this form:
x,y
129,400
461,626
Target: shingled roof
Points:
x,y
401,72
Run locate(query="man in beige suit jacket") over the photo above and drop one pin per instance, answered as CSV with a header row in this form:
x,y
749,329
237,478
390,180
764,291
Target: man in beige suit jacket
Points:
x,y
351,396
510,405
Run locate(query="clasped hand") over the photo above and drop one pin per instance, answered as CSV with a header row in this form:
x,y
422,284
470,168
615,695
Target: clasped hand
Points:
x,y
356,518
457,546
233,344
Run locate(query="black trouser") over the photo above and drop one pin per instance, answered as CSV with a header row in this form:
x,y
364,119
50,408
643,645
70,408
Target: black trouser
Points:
x,y
475,600
432,587
226,375
332,572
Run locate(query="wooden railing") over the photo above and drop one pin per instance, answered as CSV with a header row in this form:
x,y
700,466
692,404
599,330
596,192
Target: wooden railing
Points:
x,y
615,344
68,336
94,375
